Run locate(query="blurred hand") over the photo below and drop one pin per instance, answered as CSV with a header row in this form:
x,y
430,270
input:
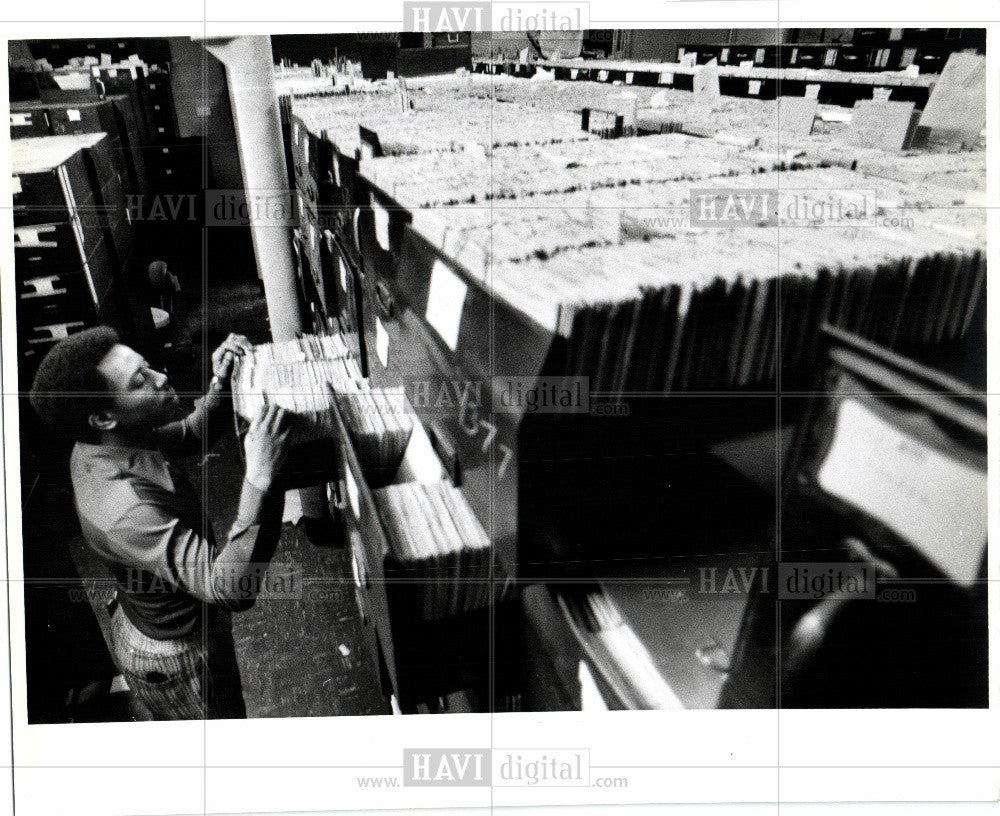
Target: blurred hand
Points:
x,y
236,345
266,445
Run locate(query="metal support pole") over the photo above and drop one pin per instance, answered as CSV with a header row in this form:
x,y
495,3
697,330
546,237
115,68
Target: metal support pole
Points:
x,y
249,66
250,75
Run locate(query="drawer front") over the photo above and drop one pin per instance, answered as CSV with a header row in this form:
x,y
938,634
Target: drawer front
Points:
x,y
304,151
105,163
173,167
111,194
479,449
345,174
325,276
154,113
341,274
309,276
51,248
359,507
307,206
158,92
29,123
448,380
160,124
49,299
39,197
309,190
40,338
381,227
311,238
83,119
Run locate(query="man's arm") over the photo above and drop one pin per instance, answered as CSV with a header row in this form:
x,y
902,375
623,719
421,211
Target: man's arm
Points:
x,y
150,534
203,426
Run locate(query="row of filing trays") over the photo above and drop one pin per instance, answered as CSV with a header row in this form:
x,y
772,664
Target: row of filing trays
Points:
x,y
72,235
344,293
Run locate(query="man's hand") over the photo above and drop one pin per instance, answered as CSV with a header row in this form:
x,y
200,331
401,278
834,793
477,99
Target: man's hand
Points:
x,y
236,345
266,446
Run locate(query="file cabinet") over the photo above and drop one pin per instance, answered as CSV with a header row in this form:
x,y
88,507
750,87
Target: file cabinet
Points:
x,y
71,237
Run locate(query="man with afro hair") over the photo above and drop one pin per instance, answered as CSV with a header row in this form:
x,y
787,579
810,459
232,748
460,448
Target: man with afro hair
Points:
x,y
175,588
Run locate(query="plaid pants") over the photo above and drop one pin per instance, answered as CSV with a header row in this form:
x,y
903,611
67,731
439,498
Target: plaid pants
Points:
x,y
191,678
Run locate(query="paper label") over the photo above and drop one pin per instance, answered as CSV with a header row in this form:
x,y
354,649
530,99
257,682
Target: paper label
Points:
x,y
15,183
381,343
381,224
352,493
930,499
629,78
42,287
73,114
812,91
602,76
112,73
20,120
666,78
445,302
574,73
754,87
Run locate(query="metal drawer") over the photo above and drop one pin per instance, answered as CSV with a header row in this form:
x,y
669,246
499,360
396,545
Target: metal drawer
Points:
x,y
359,508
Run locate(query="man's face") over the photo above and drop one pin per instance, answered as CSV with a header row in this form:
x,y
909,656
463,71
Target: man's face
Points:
x,y
141,399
